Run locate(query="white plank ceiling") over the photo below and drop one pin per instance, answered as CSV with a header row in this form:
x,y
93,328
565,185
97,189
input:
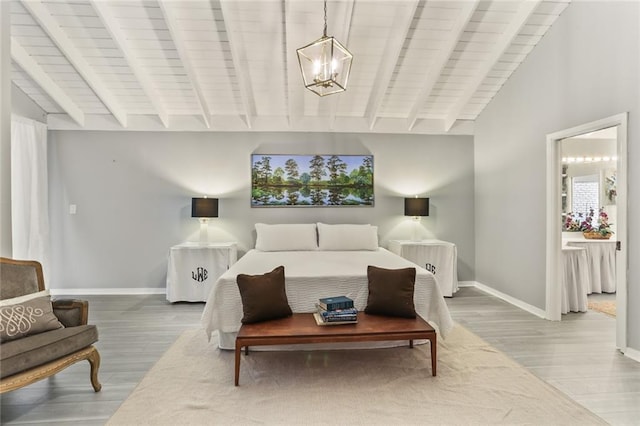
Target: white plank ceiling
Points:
x,y
420,66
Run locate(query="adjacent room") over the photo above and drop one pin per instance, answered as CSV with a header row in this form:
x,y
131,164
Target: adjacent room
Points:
x,y
264,211
589,207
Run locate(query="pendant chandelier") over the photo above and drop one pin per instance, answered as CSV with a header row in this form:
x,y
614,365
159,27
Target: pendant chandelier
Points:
x,y
325,64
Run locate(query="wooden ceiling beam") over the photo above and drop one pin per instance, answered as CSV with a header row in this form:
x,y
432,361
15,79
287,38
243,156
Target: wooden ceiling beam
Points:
x,y
399,29
48,23
440,61
342,34
515,26
109,21
50,87
295,84
240,62
181,47
263,123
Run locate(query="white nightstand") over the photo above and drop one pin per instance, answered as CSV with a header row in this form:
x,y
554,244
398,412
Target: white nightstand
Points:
x,y
194,267
436,256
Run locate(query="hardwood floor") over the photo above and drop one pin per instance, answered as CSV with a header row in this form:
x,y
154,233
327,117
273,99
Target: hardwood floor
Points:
x,y
577,356
134,332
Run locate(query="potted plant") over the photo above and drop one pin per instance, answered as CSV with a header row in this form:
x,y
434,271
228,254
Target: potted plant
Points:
x,y
600,231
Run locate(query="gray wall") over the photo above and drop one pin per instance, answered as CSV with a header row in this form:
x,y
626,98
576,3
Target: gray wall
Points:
x,y
133,192
584,69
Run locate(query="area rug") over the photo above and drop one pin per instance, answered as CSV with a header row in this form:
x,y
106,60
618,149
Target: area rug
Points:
x,y
608,307
192,384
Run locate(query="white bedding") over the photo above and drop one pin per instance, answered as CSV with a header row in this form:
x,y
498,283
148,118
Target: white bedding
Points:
x,y
310,275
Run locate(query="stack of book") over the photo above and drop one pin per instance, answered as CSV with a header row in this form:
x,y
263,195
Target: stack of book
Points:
x,y
336,310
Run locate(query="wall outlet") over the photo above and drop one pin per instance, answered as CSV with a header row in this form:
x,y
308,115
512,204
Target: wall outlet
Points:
x,y
72,209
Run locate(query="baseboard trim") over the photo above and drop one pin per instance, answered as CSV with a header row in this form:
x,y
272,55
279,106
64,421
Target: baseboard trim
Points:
x,y
633,354
628,352
105,291
509,299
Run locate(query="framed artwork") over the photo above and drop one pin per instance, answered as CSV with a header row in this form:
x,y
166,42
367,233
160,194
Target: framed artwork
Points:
x,y
279,180
610,187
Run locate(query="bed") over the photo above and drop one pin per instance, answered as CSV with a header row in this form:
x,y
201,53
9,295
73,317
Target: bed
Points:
x,y
315,270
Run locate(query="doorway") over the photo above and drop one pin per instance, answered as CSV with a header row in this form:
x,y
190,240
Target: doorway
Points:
x,y
557,205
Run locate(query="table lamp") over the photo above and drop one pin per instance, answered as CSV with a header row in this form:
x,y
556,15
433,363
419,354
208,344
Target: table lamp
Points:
x,y
416,207
204,209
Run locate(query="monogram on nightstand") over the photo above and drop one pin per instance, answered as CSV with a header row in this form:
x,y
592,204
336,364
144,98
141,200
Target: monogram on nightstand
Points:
x,y
436,256
193,268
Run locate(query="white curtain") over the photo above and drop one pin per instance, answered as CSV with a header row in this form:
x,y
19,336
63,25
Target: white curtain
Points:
x,y
29,191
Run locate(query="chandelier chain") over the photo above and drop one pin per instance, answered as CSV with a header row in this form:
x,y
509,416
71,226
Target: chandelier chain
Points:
x,y
325,18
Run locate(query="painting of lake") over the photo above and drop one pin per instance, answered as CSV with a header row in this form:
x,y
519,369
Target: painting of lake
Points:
x,y
311,180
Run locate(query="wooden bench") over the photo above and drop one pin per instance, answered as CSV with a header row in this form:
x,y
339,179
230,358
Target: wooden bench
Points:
x,y
302,328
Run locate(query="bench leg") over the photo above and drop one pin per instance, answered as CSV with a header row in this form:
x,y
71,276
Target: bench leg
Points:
x,y
410,344
237,370
433,344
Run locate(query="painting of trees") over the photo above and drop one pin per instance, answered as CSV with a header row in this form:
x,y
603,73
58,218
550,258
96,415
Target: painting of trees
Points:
x,y
311,180
317,168
291,167
261,170
335,167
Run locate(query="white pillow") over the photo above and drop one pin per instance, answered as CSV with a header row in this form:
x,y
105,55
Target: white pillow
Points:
x,y
26,297
347,237
286,237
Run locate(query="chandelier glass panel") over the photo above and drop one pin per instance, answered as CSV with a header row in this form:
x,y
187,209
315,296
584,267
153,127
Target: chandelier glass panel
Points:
x,y
325,64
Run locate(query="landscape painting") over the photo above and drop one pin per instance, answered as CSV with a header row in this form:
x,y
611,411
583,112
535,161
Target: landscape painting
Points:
x,y
311,180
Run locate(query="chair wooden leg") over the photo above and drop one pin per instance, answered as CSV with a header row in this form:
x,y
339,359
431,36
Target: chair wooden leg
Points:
x,y
94,361
35,374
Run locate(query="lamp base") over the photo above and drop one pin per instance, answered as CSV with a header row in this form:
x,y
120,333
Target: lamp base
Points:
x,y
416,229
204,231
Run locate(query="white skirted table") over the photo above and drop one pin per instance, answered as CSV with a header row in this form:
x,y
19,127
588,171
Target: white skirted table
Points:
x,y
575,279
194,267
436,256
601,257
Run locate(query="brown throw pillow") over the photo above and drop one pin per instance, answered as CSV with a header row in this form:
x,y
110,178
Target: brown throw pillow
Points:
x,y
26,318
263,296
391,292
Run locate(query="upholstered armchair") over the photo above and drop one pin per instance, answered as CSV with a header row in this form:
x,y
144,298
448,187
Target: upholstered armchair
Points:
x,y
40,337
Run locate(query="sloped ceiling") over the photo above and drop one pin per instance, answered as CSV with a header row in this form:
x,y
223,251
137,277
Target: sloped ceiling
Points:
x,y
424,67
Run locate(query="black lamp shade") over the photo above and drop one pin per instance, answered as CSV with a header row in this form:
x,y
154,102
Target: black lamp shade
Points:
x,y
416,207
204,207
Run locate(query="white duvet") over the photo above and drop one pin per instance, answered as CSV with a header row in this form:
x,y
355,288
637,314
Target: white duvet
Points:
x,y
310,275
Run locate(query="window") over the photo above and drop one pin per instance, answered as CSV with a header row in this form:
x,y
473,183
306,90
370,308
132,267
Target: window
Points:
x,y
584,194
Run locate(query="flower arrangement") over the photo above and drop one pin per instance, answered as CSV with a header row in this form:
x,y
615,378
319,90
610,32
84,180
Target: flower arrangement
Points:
x,y
586,224
575,223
